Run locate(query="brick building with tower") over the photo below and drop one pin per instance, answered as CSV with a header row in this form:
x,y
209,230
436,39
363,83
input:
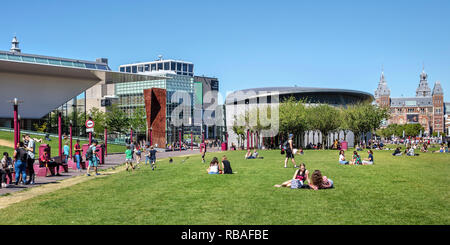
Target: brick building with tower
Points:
x,y
426,108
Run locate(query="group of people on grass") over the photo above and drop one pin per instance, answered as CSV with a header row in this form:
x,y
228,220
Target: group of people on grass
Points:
x,y
135,150
215,168
301,176
356,158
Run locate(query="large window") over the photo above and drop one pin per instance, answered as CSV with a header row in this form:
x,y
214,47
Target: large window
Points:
x,y
140,68
191,67
166,66
173,66
134,69
147,67
178,67
153,67
122,69
160,66
128,69
184,67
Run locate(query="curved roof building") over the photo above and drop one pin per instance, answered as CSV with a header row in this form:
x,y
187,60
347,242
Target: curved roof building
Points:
x,y
330,96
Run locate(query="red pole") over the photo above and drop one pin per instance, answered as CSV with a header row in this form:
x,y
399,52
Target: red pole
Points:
x,y
180,138
252,139
59,135
106,141
151,136
248,139
18,128
16,138
226,139
131,135
70,133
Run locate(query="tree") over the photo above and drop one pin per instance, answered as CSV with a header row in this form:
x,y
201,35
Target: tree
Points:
x,y
292,114
138,120
413,130
239,130
117,120
99,118
323,118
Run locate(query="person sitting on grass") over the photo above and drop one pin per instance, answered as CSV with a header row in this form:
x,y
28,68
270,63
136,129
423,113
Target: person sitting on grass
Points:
x,y
397,152
320,182
129,158
369,160
342,157
214,167
356,160
301,174
410,151
226,166
255,155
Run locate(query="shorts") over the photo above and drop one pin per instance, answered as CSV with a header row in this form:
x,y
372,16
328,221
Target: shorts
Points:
x,y
93,163
343,162
213,172
128,160
367,162
289,154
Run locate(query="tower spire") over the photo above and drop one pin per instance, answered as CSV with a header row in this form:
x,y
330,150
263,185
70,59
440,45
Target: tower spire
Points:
x,y
15,45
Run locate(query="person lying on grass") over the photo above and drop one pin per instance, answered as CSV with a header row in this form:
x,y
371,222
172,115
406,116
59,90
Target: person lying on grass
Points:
x,y
301,174
214,167
320,182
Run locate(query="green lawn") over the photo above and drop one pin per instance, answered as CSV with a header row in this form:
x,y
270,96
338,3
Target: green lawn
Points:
x,y
112,148
396,190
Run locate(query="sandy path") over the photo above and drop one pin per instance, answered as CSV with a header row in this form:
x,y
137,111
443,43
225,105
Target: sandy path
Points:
x,y
6,143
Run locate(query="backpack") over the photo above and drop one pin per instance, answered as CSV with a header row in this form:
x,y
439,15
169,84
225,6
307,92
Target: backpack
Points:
x,y
285,145
89,154
295,184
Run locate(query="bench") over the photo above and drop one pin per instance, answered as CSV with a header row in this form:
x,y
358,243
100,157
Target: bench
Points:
x,y
41,170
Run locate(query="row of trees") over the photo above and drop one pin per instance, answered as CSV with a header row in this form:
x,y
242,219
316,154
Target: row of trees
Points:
x,y
298,117
115,119
409,130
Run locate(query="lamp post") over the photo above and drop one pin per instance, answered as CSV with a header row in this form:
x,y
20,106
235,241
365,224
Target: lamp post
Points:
x,y
15,103
106,141
59,135
70,135
192,142
179,135
248,139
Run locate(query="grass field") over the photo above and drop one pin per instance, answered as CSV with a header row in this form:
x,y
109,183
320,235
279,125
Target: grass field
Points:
x,y
396,190
9,136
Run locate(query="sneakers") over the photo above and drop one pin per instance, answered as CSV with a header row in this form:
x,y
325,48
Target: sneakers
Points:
x,y
97,173
88,175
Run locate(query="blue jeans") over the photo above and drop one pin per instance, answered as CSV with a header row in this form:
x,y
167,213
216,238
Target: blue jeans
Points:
x,y
21,167
147,159
343,162
78,160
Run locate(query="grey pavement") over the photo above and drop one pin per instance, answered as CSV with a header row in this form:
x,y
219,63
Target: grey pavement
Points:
x,y
111,160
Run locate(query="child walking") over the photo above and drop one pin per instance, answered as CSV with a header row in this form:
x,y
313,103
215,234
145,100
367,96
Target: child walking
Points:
x,y
129,158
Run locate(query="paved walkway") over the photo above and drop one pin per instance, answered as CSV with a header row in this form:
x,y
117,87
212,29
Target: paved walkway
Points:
x,y
111,160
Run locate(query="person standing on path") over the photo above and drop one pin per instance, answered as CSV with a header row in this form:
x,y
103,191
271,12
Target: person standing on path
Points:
x,y
289,150
78,155
92,158
153,157
30,146
20,155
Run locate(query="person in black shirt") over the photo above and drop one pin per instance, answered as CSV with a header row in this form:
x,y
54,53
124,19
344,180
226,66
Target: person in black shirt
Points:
x,y
226,166
20,154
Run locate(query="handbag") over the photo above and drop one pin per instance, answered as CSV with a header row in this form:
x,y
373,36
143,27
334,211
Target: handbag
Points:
x,y
295,184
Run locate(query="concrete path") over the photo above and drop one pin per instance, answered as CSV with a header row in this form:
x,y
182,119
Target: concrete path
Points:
x,y
112,160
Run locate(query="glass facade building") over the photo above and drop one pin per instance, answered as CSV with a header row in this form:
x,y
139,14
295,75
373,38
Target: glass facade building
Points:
x,y
131,96
175,66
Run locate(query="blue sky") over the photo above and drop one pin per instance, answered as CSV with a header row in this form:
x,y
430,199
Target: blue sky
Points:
x,y
246,44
